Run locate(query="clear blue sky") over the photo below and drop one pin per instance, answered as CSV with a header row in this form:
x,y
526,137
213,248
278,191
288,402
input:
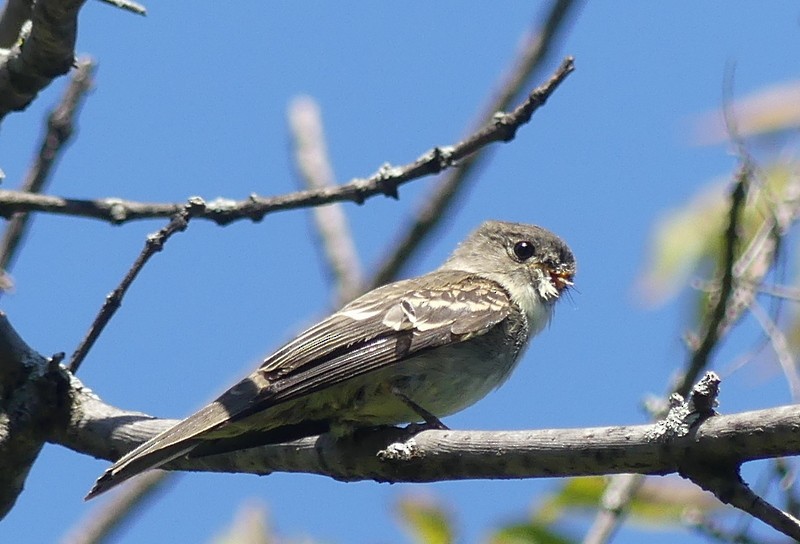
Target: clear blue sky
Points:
x,y
191,100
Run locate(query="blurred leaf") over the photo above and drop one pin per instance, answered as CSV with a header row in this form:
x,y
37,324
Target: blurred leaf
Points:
x,y
769,111
576,493
249,526
426,521
690,237
528,533
681,239
660,501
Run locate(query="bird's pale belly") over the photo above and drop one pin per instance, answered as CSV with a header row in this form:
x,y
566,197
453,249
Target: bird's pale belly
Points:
x,y
443,381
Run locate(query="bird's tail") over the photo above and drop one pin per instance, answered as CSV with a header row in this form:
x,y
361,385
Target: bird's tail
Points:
x,y
145,457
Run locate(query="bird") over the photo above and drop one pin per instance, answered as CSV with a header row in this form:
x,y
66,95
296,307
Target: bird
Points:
x,y
412,351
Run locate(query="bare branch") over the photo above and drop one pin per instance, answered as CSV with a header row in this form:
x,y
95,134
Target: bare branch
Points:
x,y
311,156
155,243
728,487
614,502
47,53
534,51
717,316
780,345
29,388
128,5
385,181
60,127
223,211
785,292
719,319
101,522
391,454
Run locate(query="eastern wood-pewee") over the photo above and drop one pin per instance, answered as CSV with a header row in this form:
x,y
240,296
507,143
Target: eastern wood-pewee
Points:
x,y
410,351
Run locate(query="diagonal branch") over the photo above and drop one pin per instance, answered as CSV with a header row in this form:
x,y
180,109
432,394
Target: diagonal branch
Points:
x,y
716,319
535,50
622,489
224,211
311,157
60,127
154,244
102,522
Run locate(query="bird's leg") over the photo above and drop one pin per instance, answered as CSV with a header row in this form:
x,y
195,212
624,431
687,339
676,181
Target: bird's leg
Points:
x,y
431,421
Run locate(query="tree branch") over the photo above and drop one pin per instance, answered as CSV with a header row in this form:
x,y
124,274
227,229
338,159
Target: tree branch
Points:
x,y
621,489
48,52
60,127
392,455
30,392
154,244
311,157
224,211
534,51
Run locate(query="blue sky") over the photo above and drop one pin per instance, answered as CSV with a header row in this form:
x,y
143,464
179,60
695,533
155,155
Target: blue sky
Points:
x,y
191,100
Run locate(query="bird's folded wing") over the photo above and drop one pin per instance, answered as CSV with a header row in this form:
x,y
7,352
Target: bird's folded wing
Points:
x,y
391,324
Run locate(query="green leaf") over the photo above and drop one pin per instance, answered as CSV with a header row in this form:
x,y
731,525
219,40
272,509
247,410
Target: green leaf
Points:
x,y
426,521
528,533
690,238
660,501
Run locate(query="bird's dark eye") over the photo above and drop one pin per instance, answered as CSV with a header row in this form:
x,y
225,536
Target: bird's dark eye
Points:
x,y
524,250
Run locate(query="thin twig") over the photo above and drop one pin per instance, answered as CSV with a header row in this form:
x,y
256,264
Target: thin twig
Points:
x,y
716,317
155,243
535,49
788,474
785,292
102,521
607,520
707,528
223,211
730,489
311,157
60,127
614,502
780,346
128,5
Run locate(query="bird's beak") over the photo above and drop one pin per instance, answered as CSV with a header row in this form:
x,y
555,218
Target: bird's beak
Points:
x,y
561,279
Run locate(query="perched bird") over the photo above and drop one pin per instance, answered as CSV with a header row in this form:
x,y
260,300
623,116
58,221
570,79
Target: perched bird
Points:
x,y
415,350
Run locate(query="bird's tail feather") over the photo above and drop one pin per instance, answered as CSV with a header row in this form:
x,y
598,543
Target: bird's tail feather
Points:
x,y
138,461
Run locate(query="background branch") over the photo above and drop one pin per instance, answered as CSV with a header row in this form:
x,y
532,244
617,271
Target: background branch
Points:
x,y
622,489
311,157
60,127
102,522
535,50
